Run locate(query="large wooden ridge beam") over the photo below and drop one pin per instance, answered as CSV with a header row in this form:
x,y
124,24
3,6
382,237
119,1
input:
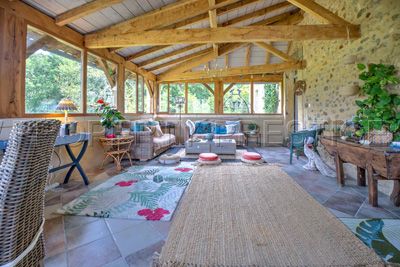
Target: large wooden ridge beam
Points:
x,y
258,69
83,10
225,35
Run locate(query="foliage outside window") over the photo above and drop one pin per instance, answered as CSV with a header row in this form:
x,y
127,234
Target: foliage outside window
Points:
x,y
140,96
163,98
101,82
237,98
53,72
267,98
176,91
200,98
147,99
130,91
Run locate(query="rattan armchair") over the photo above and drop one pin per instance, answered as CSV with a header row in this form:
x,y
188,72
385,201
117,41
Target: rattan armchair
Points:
x,y
23,175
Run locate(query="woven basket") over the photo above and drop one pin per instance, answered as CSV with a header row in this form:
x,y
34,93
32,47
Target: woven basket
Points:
x,y
380,136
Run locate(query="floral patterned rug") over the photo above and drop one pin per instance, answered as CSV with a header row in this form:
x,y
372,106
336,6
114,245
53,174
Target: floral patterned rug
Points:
x,y
142,192
382,235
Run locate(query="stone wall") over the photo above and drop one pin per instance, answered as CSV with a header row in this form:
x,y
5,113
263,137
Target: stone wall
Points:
x,y
327,73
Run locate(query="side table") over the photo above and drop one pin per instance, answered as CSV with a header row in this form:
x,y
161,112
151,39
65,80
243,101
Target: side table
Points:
x,y
256,136
117,148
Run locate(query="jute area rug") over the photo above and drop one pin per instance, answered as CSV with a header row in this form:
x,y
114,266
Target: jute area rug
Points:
x,y
239,215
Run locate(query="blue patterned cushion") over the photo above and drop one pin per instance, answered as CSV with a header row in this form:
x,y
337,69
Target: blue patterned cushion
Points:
x,y
137,126
152,123
202,127
220,129
235,125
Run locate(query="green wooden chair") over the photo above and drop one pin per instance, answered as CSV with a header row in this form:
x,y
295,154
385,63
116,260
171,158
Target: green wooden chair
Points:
x,y
297,141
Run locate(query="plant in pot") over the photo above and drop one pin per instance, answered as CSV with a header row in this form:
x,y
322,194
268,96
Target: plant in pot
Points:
x,y
109,117
252,128
378,116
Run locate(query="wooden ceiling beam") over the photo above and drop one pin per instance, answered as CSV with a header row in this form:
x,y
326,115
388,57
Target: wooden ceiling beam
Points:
x,y
248,55
168,55
161,17
102,63
213,22
238,79
287,18
220,11
319,12
258,69
274,51
226,35
83,10
181,59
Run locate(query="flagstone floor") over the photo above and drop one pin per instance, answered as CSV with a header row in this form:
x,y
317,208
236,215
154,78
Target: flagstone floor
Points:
x,y
88,241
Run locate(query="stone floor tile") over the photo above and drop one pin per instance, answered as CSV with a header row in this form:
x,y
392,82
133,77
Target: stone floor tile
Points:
x,y
136,238
86,233
96,253
118,225
55,236
144,257
368,212
162,227
340,214
67,197
50,212
117,263
71,221
59,260
345,202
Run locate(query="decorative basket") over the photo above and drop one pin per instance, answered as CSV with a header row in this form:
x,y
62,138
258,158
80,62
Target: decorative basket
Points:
x,y
380,136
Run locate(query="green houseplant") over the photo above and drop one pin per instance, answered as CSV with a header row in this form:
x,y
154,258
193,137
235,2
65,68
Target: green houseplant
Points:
x,y
252,127
109,116
379,111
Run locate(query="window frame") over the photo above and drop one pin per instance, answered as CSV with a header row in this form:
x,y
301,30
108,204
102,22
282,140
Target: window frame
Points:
x,y
137,78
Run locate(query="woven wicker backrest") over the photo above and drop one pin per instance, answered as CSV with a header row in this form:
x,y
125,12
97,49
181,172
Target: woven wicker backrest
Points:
x,y
23,175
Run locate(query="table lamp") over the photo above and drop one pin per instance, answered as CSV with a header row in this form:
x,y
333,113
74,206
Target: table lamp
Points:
x,y
66,104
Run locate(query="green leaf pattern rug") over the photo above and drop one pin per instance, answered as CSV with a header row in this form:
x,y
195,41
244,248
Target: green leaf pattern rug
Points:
x,y
142,192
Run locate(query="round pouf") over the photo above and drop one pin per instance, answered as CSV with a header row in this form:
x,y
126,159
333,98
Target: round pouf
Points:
x,y
209,159
252,158
169,159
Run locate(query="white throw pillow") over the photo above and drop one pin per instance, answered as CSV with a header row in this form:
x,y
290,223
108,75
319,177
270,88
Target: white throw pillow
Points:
x,y
231,128
190,124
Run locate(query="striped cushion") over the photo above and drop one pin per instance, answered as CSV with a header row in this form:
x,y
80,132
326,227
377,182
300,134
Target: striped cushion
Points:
x,y
251,156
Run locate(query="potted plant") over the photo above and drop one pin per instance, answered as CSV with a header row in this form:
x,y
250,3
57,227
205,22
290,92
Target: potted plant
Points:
x,y
252,127
378,116
109,117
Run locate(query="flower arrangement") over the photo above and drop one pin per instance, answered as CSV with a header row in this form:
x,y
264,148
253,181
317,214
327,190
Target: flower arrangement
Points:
x,y
109,115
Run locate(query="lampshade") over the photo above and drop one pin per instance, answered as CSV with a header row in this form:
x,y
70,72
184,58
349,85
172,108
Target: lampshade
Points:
x,y
66,104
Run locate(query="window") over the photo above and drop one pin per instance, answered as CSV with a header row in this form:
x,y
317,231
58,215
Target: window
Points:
x,y
140,94
130,91
163,98
200,98
53,72
267,98
101,81
176,94
147,99
237,98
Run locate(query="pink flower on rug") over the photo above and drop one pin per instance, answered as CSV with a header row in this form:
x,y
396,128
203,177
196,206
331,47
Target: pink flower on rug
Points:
x,y
126,183
183,169
151,215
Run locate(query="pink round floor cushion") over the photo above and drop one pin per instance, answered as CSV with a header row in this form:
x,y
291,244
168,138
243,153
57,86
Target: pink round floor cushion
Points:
x,y
252,156
208,156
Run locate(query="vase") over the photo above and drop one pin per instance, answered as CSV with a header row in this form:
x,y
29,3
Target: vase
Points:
x,y
109,131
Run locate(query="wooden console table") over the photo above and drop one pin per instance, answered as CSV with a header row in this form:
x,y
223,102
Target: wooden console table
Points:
x,y
381,163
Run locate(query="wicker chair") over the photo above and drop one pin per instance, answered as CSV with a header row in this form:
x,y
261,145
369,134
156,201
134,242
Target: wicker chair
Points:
x,y
23,176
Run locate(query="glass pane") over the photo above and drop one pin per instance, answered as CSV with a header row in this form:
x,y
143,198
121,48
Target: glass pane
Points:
x,y
140,94
130,92
101,82
176,98
147,99
237,99
163,100
267,98
200,98
53,72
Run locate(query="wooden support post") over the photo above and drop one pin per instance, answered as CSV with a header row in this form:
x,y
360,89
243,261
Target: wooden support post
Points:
x,y
395,195
339,169
372,187
361,176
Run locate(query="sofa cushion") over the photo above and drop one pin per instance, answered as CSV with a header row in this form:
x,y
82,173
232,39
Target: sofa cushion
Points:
x,y
137,126
163,141
220,129
231,128
236,126
202,127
